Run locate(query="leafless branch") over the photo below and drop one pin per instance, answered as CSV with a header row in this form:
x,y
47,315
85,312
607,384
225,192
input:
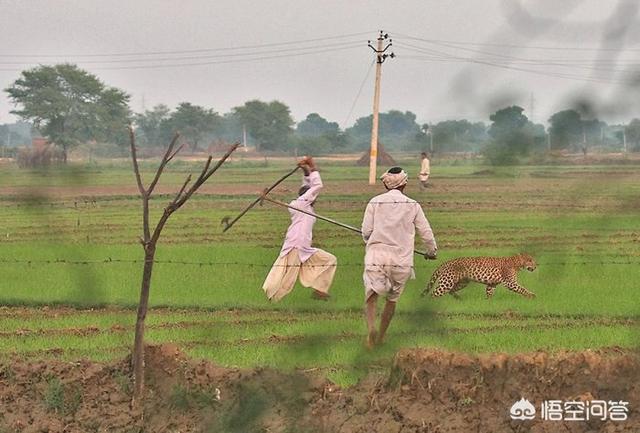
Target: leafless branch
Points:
x,y
176,152
165,159
150,241
221,161
204,169
184,185
161,222
206,173
143,193
134,157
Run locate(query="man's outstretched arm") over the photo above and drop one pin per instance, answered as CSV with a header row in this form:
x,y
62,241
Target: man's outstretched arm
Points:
x,y
424,231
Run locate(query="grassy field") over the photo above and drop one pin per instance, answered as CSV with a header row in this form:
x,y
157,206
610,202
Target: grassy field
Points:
x,y
68,238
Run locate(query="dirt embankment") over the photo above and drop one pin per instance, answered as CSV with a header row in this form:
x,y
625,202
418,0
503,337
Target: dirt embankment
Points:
x,y
426,391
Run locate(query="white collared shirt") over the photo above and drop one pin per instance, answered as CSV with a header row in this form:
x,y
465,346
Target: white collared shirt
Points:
x,y
390,222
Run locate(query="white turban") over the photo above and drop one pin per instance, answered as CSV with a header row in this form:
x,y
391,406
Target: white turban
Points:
x,y
394,178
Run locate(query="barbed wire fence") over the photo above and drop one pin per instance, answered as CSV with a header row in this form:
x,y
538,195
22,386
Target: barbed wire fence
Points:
x,y
116,261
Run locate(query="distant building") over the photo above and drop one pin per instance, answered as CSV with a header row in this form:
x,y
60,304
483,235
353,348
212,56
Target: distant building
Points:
x,y
39,142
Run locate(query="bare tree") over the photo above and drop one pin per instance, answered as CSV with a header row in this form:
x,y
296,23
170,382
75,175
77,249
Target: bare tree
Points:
x,y
149,240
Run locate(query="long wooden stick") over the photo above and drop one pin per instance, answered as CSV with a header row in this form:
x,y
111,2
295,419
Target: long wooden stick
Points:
x,y
320,217
323,218
228,224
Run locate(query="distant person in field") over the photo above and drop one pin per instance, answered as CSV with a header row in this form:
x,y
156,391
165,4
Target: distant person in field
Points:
x,y
315,267
425,170
388,228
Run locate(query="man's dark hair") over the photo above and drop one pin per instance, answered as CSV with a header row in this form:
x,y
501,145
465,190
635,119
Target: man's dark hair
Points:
x,y
424,154
395,170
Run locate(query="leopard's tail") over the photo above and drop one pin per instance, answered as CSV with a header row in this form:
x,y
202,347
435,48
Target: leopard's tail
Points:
x,y
432,281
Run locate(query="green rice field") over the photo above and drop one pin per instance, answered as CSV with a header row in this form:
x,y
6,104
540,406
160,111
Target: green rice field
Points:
x,y
71,266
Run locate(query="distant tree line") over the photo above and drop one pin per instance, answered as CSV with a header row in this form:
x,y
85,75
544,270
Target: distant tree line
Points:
x,y
70,106
15,134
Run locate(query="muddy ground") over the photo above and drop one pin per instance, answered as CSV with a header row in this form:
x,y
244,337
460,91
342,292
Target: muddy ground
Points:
x,y
425,391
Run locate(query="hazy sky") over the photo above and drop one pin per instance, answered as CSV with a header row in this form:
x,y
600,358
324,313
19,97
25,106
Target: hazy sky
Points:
x,y
456,59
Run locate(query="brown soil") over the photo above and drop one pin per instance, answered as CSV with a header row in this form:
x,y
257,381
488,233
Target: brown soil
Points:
x,y
425,391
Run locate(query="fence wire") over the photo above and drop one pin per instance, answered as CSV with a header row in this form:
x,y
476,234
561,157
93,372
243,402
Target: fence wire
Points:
x,y
112,261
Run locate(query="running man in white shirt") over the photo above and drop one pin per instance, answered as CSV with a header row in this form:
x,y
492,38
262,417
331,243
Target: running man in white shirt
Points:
x,y
315,267
388,228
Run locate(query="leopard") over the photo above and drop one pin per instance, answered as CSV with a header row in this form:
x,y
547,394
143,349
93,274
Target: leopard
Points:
x,y
454,275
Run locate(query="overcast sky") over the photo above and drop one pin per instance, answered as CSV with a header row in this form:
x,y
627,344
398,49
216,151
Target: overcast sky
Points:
x,y
455,59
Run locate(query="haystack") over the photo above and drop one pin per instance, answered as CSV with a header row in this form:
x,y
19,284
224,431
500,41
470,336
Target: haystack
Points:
x,y
383,157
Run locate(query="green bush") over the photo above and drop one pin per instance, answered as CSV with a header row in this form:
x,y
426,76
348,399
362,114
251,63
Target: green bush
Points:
x,y
60,400
500,154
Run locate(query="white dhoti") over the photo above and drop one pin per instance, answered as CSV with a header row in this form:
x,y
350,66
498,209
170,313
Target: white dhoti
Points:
x,y
425,168
384,274
317,272
388,227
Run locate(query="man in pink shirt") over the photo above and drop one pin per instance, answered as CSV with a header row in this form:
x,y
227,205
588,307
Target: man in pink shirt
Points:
x,y
315,267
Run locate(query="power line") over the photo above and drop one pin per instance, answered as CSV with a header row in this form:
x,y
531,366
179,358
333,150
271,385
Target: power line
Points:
x,y
578,63
523,47
177,65
575,77
499,59
540,64
567,76
353,106
537,62
444,56
189,51
209,56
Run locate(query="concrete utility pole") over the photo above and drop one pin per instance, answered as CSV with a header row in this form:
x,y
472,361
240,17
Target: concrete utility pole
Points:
x,y
380,58
244,138
431,141
549,141
624,139
8,143
429,132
